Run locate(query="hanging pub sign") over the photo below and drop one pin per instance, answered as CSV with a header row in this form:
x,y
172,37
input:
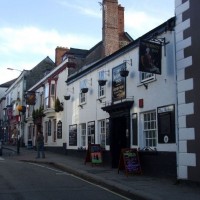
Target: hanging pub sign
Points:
x,y
30,98
150,54
118,83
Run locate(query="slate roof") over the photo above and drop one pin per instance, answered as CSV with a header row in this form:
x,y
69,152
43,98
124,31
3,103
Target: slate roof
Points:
x,y
39,71
7,84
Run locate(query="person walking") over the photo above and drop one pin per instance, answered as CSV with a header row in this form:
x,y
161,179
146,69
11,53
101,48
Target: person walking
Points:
x,y
40,145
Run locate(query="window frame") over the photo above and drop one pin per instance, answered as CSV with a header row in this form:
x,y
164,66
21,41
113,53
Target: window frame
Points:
x,y
150,130
83,134
147,78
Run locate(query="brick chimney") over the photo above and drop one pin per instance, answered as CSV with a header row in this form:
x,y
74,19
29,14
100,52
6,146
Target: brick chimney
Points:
x,y
59,52
120,20
113,25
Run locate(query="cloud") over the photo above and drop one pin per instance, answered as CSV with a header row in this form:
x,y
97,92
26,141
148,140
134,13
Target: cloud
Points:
x,y
84,9
37,41
24,48
139,23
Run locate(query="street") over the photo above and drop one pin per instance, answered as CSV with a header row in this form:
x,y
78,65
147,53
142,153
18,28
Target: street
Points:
x,y
31,181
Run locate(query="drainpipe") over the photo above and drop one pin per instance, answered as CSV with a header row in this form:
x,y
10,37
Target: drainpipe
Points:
x,y
177,116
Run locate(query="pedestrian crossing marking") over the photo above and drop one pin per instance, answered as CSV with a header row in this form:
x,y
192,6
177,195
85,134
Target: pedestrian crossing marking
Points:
x,y
1,159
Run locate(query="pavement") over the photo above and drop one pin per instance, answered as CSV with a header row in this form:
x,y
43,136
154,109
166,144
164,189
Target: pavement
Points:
x,y
136,187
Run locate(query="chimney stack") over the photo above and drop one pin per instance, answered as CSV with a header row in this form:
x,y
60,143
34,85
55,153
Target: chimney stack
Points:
x,y
113,26
59,52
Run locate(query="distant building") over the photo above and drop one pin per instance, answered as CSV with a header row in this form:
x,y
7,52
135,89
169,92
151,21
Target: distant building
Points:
x,y
14,104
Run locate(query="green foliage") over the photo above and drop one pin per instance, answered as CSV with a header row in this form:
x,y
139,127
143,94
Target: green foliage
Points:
x,y
38,113
58,105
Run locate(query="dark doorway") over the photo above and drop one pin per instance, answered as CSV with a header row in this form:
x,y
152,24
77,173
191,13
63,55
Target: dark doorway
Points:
x,y
119,128
119,138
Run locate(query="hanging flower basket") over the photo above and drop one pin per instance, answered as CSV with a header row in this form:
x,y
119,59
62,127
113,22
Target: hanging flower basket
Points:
x,y
124,73
21,108
102,82
84,90
67,97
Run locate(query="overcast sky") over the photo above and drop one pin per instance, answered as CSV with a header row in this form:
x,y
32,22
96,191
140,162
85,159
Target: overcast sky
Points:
x,y
30,30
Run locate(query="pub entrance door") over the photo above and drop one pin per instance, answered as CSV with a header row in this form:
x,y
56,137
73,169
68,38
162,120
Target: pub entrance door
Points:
x,y
119,128
119,138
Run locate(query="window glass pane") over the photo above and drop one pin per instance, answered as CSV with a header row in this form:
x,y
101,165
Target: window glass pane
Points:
x,y
150,129
101,75
83,134
52,89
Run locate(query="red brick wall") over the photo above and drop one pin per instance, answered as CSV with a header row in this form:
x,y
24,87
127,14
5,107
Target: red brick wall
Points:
x,y
59,52
110,26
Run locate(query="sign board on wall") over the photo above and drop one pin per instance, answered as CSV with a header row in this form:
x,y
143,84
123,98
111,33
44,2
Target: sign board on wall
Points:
x,y
150,55
166,124
73,135
118,83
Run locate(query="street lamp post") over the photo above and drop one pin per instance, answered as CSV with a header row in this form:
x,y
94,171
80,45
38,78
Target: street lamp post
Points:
x,y
15,69
20,138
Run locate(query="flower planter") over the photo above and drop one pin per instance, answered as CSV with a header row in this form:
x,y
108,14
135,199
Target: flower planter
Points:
x,y
124,73
84,90
102,82
21,108
67,97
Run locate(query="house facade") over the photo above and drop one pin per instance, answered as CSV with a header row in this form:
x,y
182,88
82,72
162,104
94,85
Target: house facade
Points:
x,y
136,109
14,101
47,112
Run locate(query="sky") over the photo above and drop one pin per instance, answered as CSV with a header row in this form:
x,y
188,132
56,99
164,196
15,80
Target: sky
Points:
x,y
31,30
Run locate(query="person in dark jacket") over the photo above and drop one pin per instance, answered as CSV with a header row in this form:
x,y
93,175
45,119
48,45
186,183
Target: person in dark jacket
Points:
x,y
40,145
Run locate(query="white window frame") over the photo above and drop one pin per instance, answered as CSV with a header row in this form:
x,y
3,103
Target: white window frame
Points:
x,y
150,129
82,98
46,96
102,133
146,76
52,94
102,91
83,136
